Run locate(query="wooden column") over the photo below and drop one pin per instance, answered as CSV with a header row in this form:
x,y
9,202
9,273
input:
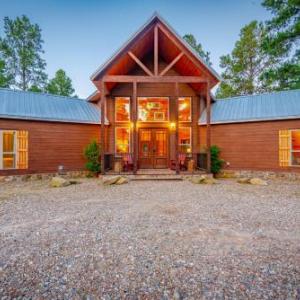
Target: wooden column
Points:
x,y
102,132
208,131
177,125
134,129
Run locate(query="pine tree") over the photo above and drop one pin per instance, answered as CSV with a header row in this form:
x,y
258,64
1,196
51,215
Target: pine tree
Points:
x,y
245,66
21,49
61,84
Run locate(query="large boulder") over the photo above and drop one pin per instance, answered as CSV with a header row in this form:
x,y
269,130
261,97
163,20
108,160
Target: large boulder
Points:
x,y
109,180
257,181
59,182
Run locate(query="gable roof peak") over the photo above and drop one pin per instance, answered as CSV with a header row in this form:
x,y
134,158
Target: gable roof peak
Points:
x,y
156,17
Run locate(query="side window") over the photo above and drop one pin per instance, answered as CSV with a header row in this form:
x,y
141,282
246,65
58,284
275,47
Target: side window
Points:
x,y
9,149
295,147
13,149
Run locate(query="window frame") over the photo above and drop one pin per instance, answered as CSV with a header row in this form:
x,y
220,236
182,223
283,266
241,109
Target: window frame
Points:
x,y
129,140
191,139
15,152
190,100
153,97
291,149
116,110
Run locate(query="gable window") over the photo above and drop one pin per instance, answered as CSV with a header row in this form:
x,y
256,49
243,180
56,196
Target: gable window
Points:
x,y
122,140
295,147
184,109
122,109
185,139
153,109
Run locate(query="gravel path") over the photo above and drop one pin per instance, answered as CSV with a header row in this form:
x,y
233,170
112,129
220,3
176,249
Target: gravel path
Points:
x,y
150,240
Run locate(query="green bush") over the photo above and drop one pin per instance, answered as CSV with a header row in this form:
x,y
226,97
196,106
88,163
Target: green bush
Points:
x,y
216,162
92,154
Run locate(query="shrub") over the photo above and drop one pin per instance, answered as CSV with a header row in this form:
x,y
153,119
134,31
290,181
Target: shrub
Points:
x,y
92,153
216,162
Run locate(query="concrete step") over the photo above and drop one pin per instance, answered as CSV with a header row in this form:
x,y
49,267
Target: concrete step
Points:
x,y
155,177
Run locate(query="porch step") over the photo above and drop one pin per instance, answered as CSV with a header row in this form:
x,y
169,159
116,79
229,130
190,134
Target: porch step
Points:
x,y
155,172
160,177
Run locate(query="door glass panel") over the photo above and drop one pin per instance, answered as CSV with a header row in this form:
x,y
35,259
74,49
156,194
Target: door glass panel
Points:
x,y
161,143
146,143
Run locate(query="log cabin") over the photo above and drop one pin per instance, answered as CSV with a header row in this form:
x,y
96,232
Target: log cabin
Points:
x,y
159,113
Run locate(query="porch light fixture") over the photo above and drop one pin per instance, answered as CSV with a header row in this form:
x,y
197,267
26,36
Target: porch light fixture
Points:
x,y
172,125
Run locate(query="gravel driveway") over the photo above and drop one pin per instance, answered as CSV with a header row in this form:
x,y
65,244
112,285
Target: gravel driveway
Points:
x,y
150,240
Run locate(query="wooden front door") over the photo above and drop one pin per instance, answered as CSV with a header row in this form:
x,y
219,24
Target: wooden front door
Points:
x,y
153,148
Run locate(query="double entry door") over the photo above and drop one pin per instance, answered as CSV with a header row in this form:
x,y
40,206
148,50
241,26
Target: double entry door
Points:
x,y
153,148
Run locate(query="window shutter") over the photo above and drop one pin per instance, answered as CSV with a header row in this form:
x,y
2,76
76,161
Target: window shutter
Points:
x,y
284,148
22,149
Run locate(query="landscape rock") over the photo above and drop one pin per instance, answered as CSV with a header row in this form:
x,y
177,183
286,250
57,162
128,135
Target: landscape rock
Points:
x,y
122,180
208,180
257,181
109,180
226,174
197,179
243,180
59,182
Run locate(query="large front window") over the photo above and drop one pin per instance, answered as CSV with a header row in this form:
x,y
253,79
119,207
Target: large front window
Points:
x,y
122,109
295,147
8,149
153,109
184,109
122,140
184,139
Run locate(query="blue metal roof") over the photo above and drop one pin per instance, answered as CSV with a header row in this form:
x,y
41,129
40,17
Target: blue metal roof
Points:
x,y
262,107
46,107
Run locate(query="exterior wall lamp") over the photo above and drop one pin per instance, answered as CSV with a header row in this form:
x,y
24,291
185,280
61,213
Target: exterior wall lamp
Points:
x,y
172,125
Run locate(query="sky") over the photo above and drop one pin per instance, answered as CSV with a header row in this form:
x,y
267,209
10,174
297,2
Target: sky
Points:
x,y
81,35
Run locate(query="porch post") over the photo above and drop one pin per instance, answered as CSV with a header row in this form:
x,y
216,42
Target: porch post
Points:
x,y
102,133
208,131
134,122
177,125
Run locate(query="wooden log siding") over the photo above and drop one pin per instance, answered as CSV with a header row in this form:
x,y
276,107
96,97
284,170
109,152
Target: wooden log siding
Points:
x,y
250,146
51,144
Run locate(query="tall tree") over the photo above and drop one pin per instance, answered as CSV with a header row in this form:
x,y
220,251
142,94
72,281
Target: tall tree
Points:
x,y
5,79
244,67
283,42
21,49
61,84
197,47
